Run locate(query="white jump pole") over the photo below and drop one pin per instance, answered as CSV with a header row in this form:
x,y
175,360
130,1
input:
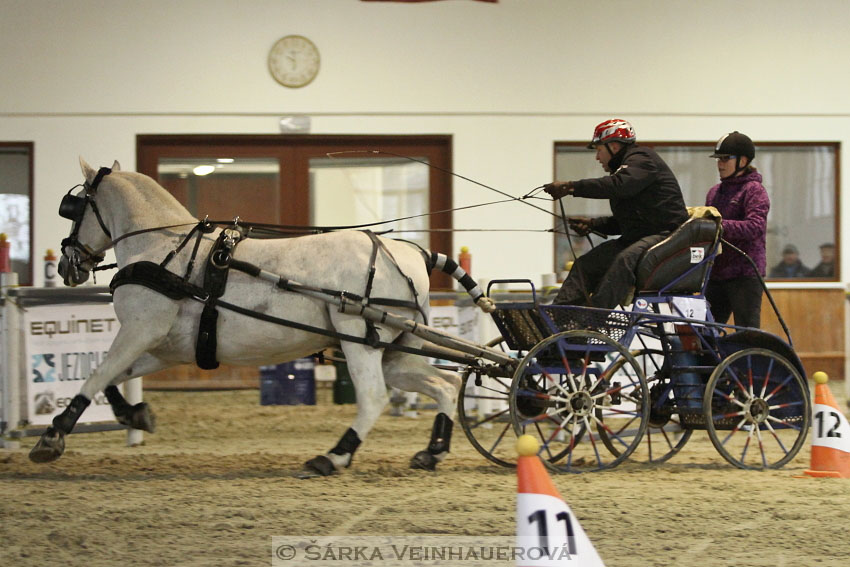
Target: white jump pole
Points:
x,y
133,394
11,360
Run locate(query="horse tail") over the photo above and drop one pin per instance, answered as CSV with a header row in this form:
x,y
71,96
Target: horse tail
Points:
x,y
448,266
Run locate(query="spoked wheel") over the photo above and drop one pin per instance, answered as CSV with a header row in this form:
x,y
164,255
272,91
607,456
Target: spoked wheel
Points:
x,y
665,436
484,412
757,409
565,393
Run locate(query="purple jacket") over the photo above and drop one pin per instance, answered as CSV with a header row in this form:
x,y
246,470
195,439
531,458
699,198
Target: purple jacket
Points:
x,y
744,204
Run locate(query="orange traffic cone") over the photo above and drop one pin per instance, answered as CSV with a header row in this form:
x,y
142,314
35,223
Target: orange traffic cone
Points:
x,y
830,434
548,534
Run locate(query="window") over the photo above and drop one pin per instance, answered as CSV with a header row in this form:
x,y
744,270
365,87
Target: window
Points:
x,y
345,191
801,179
16,205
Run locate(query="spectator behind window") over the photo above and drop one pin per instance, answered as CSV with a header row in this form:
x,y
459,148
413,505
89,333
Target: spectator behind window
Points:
x,y
790,266
826,268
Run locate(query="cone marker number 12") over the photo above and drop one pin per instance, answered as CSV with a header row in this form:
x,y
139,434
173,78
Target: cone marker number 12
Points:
x,y
830,428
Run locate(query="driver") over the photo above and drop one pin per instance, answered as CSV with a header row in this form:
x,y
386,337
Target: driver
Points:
x,y
646,206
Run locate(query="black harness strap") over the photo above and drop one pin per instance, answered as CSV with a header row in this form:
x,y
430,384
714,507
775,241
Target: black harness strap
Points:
x,y
183,243
372,336
376,243
204,228
340,336
215,280
154,276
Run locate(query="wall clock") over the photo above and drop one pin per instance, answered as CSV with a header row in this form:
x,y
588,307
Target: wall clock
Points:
x,y
294,61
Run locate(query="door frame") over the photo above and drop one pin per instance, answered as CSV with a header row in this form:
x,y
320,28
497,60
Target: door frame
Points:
x,y
297,150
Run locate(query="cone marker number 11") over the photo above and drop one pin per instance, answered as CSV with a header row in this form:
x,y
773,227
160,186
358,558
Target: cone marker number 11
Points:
x,y
539,517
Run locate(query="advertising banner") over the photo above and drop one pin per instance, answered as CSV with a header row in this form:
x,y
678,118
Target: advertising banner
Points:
x,y
460,321
63,344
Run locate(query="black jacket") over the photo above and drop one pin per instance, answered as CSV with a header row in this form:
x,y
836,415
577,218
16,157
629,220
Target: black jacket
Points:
x,y
645,197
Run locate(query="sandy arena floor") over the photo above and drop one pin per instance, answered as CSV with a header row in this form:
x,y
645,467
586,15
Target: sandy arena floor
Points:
x,y
215,483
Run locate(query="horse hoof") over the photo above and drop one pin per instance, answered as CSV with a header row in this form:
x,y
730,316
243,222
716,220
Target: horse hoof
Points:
x,y
50,447
139,416
143,418
318,466
423,460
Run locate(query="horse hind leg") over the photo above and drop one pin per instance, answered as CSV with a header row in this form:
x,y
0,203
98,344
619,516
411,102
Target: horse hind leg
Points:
x,y
364,365
413,374
438,448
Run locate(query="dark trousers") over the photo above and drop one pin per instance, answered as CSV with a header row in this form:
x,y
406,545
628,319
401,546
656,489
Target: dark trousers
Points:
x,y
605,276
740,297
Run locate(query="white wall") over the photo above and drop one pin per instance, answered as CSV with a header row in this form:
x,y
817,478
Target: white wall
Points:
x,y
83,77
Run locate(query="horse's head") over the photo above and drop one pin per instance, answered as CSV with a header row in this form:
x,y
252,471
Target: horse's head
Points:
x,y
82,249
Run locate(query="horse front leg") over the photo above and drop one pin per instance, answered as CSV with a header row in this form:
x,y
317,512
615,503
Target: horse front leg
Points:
x,y
364,365
128,346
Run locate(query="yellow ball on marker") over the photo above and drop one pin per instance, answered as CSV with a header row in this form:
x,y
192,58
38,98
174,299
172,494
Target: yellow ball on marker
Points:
x,y
527,446
820,377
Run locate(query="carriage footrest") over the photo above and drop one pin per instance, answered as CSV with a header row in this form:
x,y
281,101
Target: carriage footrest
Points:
x,y
693,418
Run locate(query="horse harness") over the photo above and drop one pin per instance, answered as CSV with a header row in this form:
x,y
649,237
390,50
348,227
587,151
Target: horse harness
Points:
x,y
219,261
218,264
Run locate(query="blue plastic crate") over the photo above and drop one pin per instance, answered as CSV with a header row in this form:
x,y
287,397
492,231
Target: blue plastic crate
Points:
x,y
290,383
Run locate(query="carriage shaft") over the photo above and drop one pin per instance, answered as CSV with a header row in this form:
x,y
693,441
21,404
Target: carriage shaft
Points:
x,y
426,332
398,322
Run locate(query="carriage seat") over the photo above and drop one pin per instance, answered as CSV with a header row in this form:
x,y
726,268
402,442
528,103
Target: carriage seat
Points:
x,y
681,262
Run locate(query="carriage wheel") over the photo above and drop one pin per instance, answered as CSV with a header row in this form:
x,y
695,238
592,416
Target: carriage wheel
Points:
x,y
483,411
565,393
757,409
665,436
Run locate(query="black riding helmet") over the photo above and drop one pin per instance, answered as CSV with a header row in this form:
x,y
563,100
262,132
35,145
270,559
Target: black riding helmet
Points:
x,y
735,144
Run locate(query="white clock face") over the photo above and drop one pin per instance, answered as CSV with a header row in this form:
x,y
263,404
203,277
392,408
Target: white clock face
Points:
x,y
294,61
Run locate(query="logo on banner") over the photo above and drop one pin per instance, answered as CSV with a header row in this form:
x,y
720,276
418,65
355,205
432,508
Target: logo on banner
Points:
x,y
43,368
45,403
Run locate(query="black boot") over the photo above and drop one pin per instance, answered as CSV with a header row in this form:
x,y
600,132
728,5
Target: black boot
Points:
x,y
66,420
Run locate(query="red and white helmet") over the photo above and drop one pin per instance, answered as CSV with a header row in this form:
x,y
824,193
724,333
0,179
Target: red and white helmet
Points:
x,y
614,130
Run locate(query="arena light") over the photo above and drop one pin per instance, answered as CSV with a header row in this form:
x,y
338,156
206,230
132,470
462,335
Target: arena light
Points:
x,y
203,169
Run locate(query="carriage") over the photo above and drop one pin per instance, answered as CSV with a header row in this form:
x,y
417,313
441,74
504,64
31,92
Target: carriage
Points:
x,y
598,386
595,386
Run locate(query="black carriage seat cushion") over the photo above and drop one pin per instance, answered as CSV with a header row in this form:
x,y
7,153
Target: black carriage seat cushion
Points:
x,y
675,255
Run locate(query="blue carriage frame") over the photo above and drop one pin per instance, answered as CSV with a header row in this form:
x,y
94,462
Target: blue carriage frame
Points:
x,y
693,351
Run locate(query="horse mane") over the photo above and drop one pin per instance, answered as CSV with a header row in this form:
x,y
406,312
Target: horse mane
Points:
x,y
147,195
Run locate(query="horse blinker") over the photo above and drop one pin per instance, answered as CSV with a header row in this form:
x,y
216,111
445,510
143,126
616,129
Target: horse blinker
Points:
x,y
72,207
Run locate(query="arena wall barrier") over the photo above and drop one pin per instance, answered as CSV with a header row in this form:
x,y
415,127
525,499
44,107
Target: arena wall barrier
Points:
x,y
51,340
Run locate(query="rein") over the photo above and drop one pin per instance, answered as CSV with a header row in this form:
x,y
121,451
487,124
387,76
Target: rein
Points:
x,y
73,208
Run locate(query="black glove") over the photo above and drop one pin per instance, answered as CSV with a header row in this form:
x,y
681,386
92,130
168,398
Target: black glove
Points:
x,y
581,225
558,189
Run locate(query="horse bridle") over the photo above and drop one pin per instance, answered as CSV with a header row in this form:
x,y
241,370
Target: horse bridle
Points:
x,y
73,208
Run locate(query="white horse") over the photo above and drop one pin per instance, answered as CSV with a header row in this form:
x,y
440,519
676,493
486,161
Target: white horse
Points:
x,y
158,331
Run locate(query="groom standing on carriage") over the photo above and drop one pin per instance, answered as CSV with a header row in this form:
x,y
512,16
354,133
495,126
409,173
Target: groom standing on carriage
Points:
x,y
646,206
